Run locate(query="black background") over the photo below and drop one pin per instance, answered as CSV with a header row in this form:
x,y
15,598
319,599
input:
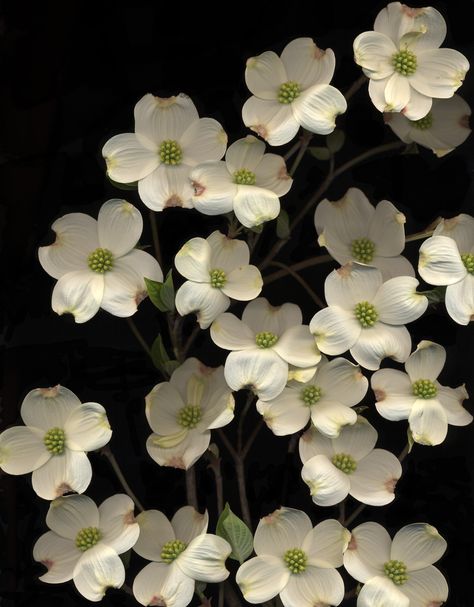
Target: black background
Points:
x,y
71,73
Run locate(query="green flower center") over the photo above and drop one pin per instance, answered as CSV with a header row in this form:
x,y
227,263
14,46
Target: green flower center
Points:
x,y
423,123
55,441
366,314
171,550
265,339
100,261
170,152
310,395
345,463
468,261
244,177
396,571
189,416
295,559
363,250
87,537
218,278
404,62
424,388
288,92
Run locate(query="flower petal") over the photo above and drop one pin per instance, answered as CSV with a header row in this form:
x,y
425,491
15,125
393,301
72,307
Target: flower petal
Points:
x,y
264,74
271,174
393,266
330,416
272,120
357,440
351,284
417,107
254,205
327,484
155,532
118,526
394,394
206,301
397,93
397,301
313,586
324,545
78,293
193,260
162,406
342,381
188,523
120,226
373,52
381,591
426,362
377,94
282,530
440,262
439,72
214,189
98,569
87,428
167,186
284,414
374,480
47,408
227,253
379,342
68,515
70,471
58,555
260,315
426,587
231,333
203,140
261,578
179,451
368,550
245,153
244,283
459,300
387,229
307,64
22,450
459,228
158,119
451,400
335,330
298,347
261,369
317,107
418,545
314,443
428,422
128,159
159,582
204,558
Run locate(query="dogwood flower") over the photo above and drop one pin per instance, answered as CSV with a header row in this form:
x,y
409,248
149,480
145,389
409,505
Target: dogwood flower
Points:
x,y
417,395
397,572
353,230
183,411
403,60
249,183
58,432
169,140
263,343
442,130
366,315
85,541
447,258
217,269
295,560
96,263
292,90
181,552
348,465
326,399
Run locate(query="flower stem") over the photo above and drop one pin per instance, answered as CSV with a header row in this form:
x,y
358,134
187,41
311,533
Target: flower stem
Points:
x,y
156,240
139,336
215,465
305,140
419,236
300,265
352,90
106,451
244,502
317,300
191,493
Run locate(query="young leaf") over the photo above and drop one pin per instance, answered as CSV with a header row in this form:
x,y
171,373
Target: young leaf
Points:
x,y
160,357
320,153
283,225
235,531
161,293
335,140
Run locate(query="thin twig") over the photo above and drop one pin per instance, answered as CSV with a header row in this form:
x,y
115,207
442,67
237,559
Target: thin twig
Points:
x,y
191,492
253,436
305,140
139,336
156,240
292,150
342,511
106,451
244,502
300,265
352,90
242,416
314,296
189,342
418,236
215,465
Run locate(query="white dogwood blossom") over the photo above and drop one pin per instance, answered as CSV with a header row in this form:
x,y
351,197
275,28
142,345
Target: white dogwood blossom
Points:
x,y
442,130
249,183
326,399
181,552
417,395
263,344
96,262
402,58
398,572
58,432
217,269
353,230
85,542
292,90
295,560
169,140
348,465
183,411
366,315
447,258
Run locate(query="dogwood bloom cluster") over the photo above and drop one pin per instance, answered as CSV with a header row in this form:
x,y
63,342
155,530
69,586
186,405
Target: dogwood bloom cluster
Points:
x,y
217,269
96,262
84,542
183,411
169,140
58,432
447,258
352,230
181,553
263,344
402,58
417,395
400,571
295,560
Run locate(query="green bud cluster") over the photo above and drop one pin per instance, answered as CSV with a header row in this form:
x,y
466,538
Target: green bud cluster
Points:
x,y
265,339
218,278
366,314
404,62
55,441
396,571
310,395
100,260
171,550
363,250
244,177
424,388
189,416
87,537
288,92
345,463
295,559
170,152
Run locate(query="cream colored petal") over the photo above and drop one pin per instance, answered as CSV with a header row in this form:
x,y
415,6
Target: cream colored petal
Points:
x,y
70,471
307,64
282,530
97,570
47,408
22,450
155,532
120,226
418,545
188,523
118,525
58,555
68,515
87,428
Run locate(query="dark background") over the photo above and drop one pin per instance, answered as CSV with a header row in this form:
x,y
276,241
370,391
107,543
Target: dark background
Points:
x,y
71,73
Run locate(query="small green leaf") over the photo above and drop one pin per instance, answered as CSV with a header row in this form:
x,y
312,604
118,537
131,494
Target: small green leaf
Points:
x,y
435,295
411,440
200,587
124,186
160,357
161,293
235,531
320,153
283,225
335,140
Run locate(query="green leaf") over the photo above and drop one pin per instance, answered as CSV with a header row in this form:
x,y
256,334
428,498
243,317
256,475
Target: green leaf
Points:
x,y
235,531
436,295
124,186
335,140
160,357
320,153
283,225
161,293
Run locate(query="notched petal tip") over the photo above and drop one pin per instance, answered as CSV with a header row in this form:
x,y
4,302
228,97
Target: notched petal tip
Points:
x,y
260,129
173,201
198,188
51,392
62,489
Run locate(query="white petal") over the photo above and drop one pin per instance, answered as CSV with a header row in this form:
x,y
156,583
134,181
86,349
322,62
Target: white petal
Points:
x,y
244,153
459,300
387,229
298,347
227,253
307,64
451,400
87,428
330,416
214,188
180,451
377,94
314,443
47,408
68,515
162,405
426,587
272,120
203,140
460,229
230,333
327,484
161,582
264,74
349,217
128,159
342,381
394,393
98,569
428,422
397,301
317,107
58,555
282,530
284,414
426,362
373,52
204,558
352,284
440,262
393,266
335,330
374,480
313,586
379,342
117,523
244,283
70,471
254,205
271,174
418,107
439,72
206,301
155,532
193,260
120,226
188,523
395,20
368,550
397,93
381,591
260,315
78,293
76,237
325,544
159,118
357,440
167,186
418,545
261,369
261,578
22,450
